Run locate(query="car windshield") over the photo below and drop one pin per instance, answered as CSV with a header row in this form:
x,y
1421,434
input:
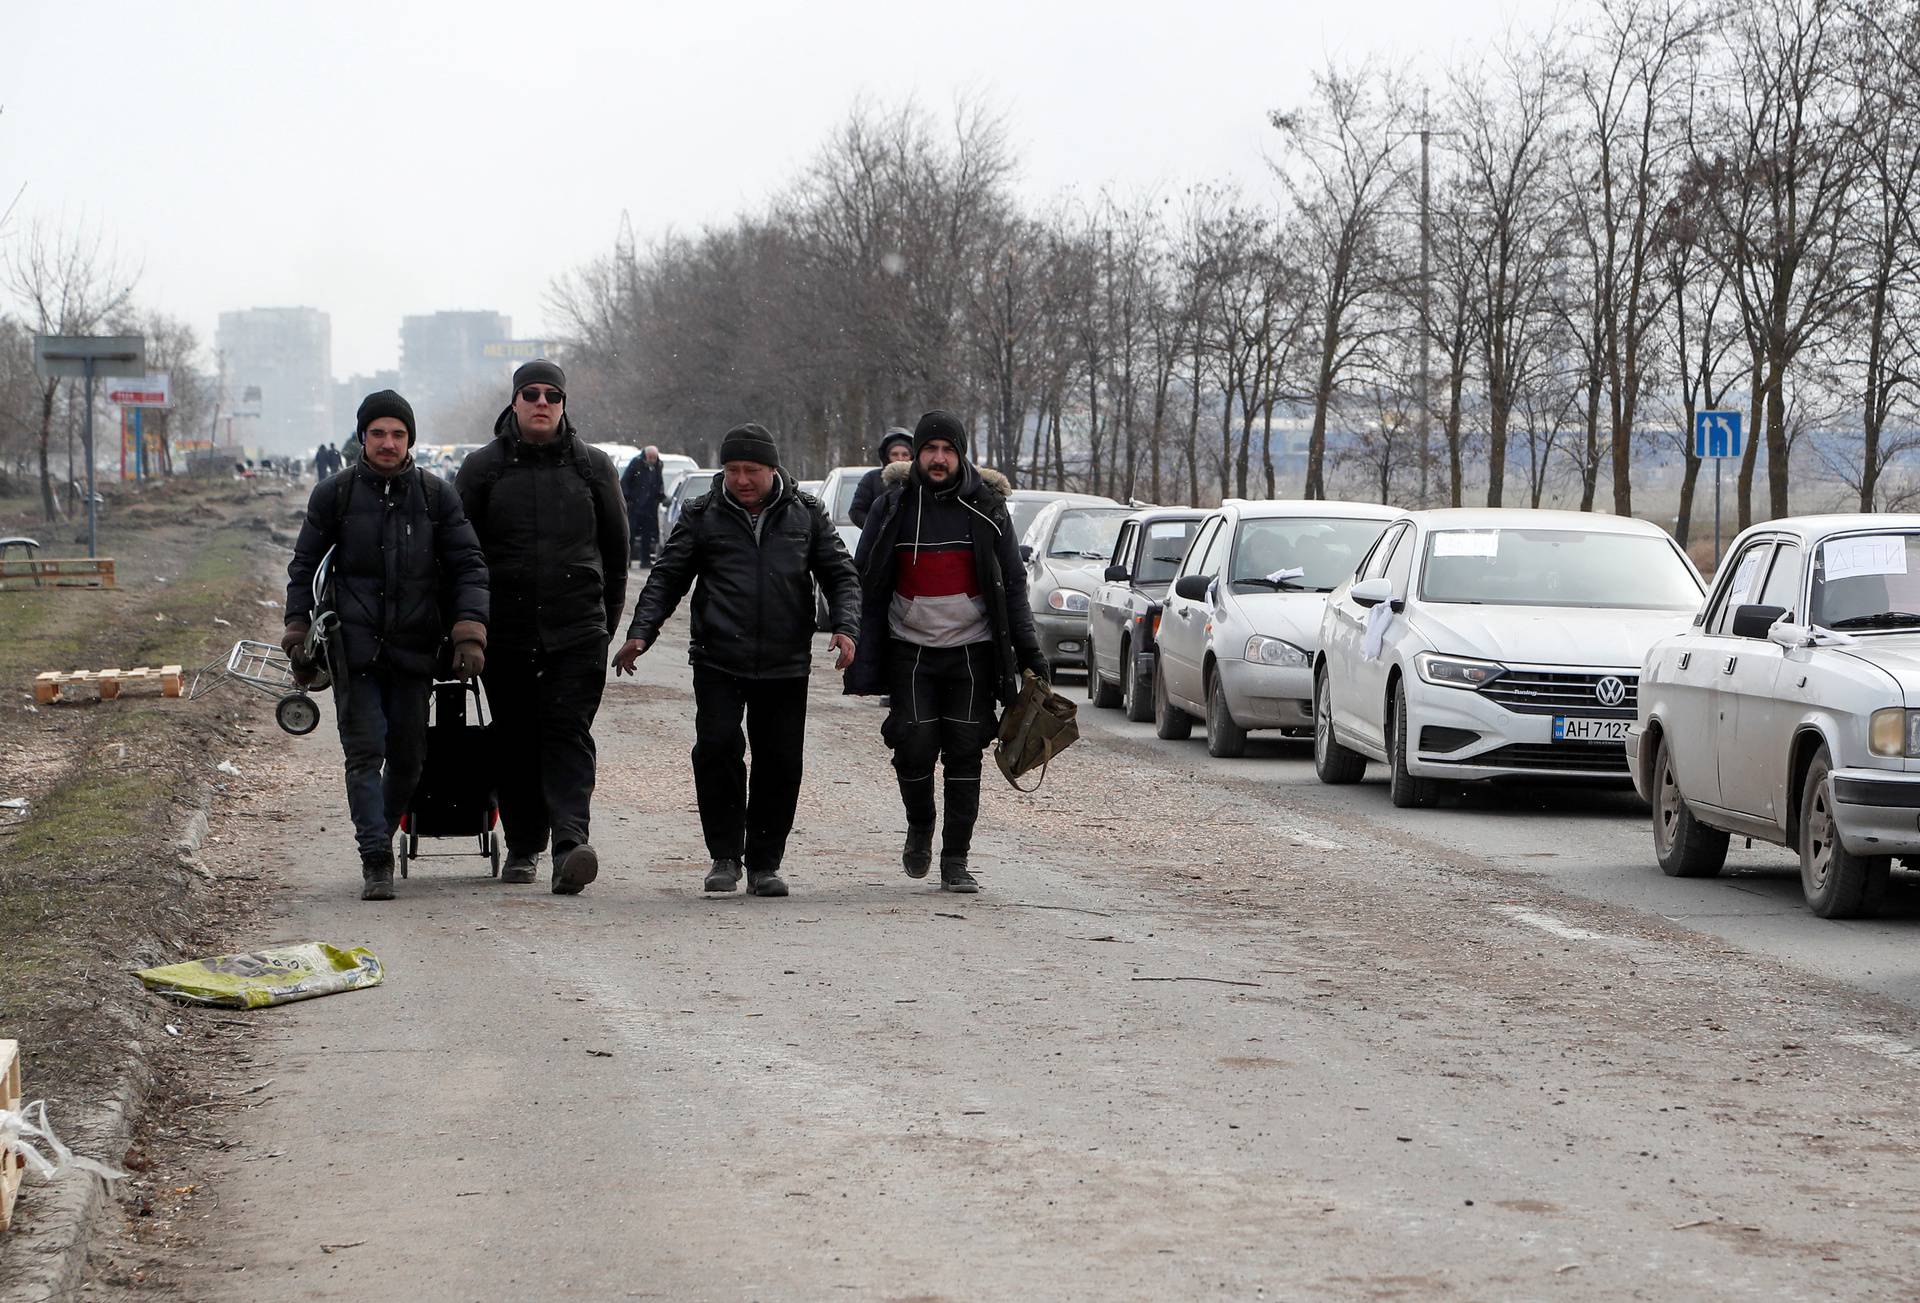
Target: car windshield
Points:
x,y
1086,535
1166,547
1024,511
692,486
1867,582
843,498
1557,567
1299,553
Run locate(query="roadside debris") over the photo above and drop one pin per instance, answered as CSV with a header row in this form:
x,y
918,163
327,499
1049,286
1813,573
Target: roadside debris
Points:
x,y
229,768
278,975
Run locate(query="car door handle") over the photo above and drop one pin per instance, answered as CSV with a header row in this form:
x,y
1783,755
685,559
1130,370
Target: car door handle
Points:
x,y
1685,659
1731,662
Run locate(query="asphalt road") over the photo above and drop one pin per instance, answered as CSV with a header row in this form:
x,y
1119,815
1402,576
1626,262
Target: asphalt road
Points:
x,y
1210,1031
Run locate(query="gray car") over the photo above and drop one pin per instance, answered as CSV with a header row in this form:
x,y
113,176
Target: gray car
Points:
x,y
1127,607
1066,550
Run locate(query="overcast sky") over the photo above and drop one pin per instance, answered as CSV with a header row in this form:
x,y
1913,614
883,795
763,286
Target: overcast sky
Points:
x,y
379,159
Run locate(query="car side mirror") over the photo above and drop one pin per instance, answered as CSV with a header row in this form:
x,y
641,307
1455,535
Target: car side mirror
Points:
x,y
1371,592
1026,553
1755,621
1117,574
1193,587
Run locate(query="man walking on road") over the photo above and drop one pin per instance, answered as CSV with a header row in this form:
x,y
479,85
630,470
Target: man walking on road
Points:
x,y
895,446
756,545
642,484
401,543
546,505
948,631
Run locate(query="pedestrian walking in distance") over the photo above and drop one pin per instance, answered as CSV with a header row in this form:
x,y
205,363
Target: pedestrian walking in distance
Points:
x,y
408,577
642,483
546,505
751,549
948,631
896,445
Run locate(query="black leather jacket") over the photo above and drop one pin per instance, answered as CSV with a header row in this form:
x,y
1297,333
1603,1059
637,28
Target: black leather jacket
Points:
x,y
406,565
996,559
554,527
753,607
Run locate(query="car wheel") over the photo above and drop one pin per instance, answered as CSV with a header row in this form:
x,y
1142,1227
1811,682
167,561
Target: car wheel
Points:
x,y
1685,847
1136,686
1838,883
1336,764
1225,739
1169,721
1403,788
1102,694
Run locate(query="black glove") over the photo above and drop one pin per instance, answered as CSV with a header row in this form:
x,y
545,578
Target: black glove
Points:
x,y
1037,662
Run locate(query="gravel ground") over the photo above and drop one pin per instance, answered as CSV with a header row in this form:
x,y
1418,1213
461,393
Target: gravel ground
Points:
x,y
1188,1042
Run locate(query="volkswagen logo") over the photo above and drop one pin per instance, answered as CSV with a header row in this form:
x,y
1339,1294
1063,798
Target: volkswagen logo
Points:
x,y
1610,691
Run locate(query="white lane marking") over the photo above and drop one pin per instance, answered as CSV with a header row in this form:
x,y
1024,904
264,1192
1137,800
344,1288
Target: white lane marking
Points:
x,y
1885,1046
1548,923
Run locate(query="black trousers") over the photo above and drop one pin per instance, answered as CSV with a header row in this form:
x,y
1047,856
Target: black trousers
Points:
x,y
943,710
742,818
383,733
543,708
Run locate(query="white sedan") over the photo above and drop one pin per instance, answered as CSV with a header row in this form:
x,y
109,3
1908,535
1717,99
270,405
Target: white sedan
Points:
x,y
1478,644
1790,710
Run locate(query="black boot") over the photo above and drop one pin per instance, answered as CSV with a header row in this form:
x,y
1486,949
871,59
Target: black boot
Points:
x,y
954,876
723,876
573,868
765,882
376,876
963,810
918,854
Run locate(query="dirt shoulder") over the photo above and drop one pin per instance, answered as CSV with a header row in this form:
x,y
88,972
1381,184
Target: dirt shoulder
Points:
x,y
91,885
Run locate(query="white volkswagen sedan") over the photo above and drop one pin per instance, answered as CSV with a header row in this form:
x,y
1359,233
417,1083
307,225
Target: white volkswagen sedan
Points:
x,y
1478,644
1790,710
1241,626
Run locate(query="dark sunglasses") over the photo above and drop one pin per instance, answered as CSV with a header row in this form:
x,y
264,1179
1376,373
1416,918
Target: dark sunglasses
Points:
x,y
535,394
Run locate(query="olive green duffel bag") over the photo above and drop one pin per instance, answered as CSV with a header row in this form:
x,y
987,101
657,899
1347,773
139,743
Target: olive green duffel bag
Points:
x,y
1038,726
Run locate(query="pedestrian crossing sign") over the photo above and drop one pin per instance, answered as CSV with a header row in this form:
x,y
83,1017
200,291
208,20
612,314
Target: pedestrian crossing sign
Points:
x,y
1716,434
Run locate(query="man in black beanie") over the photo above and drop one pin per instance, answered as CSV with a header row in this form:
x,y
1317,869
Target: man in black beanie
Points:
x,y
408,575
547,507
756,545
947,633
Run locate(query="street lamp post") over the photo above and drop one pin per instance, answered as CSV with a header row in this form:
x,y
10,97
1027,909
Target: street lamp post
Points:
x,y
89,356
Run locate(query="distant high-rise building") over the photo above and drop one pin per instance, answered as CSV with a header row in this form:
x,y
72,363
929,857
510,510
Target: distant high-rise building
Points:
x,y
348,393
278,362
452,365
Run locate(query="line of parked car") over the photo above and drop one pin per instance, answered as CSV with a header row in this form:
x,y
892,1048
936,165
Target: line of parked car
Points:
x,y
1506,645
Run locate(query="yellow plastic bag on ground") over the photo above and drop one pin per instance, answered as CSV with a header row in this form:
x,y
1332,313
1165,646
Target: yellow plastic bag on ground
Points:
x,y
259,978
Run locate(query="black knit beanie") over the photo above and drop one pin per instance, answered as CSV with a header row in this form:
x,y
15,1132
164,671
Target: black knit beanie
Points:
x,y
749,442
940,424
540,372
895,434
384,403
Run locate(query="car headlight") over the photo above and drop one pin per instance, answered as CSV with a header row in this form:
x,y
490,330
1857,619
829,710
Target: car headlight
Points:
x,y
1065,599
1456,671
1894,732
1262,650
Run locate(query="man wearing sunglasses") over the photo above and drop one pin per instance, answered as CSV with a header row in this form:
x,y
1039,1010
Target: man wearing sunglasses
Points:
x,y
547,507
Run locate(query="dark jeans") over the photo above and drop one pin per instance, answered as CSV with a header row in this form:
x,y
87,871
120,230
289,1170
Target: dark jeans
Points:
x,y
942,708
383,733
646,533
743,820
543,708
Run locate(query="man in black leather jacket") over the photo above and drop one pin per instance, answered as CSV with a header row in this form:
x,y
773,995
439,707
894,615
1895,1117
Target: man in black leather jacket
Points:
x,y
407,574
547,507
756,545
947,633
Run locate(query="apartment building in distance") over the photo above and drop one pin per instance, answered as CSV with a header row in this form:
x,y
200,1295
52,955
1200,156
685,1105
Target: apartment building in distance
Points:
x,y
454,372
285,357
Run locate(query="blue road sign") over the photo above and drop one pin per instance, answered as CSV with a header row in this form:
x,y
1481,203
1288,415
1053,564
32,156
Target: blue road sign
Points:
x,y
1716,434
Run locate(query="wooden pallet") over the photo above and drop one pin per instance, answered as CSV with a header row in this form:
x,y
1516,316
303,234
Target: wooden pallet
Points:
x,y
12,1166
58,572
47,686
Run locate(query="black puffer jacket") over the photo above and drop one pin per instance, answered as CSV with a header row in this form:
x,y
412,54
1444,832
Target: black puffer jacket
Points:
x,y
554,527
407,565
753,608
996,560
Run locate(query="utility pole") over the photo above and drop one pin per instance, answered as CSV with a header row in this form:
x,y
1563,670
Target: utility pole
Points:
x,y
1423,393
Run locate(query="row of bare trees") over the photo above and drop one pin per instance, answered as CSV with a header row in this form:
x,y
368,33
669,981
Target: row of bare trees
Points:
x,y
1523,279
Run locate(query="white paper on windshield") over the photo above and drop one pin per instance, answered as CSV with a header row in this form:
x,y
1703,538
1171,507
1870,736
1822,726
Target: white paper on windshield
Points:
x,y
1282,576
1874,555
1460,542
1375,639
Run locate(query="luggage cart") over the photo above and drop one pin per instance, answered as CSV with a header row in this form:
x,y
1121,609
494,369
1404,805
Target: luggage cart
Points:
x,y
455,795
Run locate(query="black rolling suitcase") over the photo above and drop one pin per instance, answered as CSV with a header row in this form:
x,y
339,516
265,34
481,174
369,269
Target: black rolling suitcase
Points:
x,y
455,797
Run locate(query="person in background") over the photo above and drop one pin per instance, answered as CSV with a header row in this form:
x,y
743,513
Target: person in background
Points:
x,y
896,445
642,484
